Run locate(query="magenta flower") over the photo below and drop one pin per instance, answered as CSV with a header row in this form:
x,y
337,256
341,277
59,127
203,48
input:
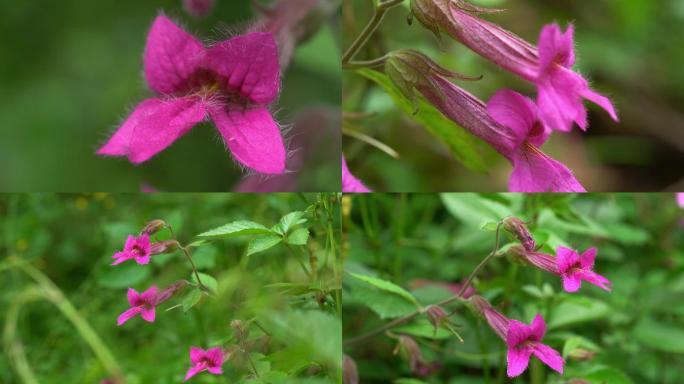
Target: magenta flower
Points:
x,y
233,82
680,199
142,304
533,170
549,67
209,360
524,341
135,248
574,268
349,182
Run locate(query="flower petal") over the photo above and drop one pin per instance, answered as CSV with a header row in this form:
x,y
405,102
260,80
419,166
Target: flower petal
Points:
x,y
555,47
133,297
587,258
249,64
171,57
127,314
130,243
517,360
571,282
145,259
549,356
195,369
120,257
538,328
252,136
148,314
595,278
215,355
349,182
196,353
566,258
601,101
166,122
559,100
534,171
518,113
215,370
517,333
150,295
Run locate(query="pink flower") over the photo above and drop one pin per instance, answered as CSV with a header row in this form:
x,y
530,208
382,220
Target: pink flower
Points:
x,y
533,170
574,268
209,360
136,248
549,67
525,340
522,340
232,82
142,304
680,199
349,182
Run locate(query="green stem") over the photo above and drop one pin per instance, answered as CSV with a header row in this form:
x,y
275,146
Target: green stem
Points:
x,y
369,29
374,63
192,263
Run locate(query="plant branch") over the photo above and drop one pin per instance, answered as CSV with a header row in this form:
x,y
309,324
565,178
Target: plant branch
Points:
x,y
374,63
411,316
192,263
369,29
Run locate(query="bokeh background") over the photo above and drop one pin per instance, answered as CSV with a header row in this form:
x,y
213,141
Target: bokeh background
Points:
x,y
72,70
629,50
428,243
68,240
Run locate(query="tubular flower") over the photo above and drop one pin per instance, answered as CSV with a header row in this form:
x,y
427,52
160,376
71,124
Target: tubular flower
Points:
x,y
548,66
135,248
509,122
142,304
233,82
349,182
574,268
523,340
210,360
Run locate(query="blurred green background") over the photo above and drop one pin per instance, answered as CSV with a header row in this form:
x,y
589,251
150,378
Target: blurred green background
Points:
x,y
71,70
425,243
630,50
70,239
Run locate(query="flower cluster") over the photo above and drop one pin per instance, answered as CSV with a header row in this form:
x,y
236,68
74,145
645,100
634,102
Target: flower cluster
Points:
x,y
141,249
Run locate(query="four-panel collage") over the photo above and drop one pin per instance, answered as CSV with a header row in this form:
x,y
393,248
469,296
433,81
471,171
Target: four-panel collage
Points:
x,y
342,192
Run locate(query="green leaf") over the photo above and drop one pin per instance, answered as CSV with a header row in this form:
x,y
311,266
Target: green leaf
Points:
x,y
123,276
575,310
237,228
386,286
205,257
473,209
298,237
660,336
262,243
288,221
490,226
466,148
604,374
207,280
423,328
191,299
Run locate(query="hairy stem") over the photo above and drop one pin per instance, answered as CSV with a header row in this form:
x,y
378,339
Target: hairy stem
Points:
x,y
192,263
369,29
411,316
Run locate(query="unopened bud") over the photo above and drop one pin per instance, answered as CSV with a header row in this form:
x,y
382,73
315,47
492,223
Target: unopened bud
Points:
x,y
198,8
518,228
170,291
350,374
437,315
582,354
153,227
240,330
166,246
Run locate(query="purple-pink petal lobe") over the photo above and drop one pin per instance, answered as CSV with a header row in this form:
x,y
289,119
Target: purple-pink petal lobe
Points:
x,y
548,356
252,136
574,268
349,182
517,361
518,113
209,360
534,171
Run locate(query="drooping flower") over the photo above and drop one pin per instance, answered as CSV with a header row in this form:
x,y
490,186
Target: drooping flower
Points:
x,y
509,122
519,229
349,182
421,368
135,248
233,82
574,268
210,360
540,260
548,66
680,199
523,340
142,304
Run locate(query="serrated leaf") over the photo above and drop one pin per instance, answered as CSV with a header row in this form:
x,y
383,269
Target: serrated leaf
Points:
x,y
288,221
207,280
237,228
466,148
386,286
298,237
191,299
262,243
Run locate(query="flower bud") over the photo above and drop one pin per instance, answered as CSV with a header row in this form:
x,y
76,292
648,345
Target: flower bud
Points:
x,y
166,246
153,227
409,346
170,291
198,8
437,315
240,330
518,228
497,321
350,374
582,354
